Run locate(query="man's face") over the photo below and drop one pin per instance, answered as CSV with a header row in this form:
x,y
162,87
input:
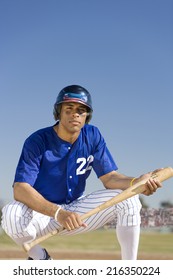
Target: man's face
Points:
x,y
73,116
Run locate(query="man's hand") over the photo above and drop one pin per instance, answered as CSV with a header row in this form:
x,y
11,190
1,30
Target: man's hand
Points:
x,y
152,183
70,220
151,186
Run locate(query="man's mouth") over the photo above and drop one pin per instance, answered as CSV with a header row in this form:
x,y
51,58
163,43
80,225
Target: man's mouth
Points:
x,y
74,122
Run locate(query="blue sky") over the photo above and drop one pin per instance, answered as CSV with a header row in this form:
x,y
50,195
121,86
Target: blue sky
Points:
x,y
120,50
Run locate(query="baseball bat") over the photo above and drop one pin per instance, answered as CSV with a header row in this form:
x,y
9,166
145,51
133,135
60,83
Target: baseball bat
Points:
x,y
138,188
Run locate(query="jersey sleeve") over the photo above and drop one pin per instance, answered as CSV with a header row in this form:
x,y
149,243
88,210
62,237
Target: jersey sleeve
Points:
x,y
29,162
103,160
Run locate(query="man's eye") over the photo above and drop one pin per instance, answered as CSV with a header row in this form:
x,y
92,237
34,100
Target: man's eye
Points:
x,y
81,111
68,109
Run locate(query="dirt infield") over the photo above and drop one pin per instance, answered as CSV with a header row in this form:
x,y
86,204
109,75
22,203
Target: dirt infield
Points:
x,y
77,255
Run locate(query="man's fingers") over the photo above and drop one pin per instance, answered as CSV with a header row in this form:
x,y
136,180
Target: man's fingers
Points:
x,y
152,185
73,221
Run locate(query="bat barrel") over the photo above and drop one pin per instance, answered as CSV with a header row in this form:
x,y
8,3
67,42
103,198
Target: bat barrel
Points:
x,y
164,174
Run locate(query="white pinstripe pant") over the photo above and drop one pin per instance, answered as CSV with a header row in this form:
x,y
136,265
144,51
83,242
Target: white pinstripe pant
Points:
x,y
23,224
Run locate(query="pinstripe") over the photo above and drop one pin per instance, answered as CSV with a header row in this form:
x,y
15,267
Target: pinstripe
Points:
x,y
18,219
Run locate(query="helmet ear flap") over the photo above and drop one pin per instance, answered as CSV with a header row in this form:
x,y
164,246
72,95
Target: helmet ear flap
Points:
x,y
57,111
88,118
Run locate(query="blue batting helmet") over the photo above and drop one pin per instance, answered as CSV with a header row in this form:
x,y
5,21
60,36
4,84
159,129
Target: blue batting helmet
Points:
x,y
73,93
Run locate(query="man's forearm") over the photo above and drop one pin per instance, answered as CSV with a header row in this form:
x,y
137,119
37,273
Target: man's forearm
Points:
x,y
26,194
115,180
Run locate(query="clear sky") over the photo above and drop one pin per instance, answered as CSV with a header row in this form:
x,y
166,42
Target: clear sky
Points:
x,y
120,50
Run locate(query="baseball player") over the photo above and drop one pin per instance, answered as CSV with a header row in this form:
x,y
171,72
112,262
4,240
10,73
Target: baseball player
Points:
x,y
51,176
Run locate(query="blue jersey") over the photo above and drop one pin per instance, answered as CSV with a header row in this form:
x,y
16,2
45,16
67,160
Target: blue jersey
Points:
x,y
57,169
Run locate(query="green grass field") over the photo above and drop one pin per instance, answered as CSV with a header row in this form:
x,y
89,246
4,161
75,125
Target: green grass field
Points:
x,y
102,241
